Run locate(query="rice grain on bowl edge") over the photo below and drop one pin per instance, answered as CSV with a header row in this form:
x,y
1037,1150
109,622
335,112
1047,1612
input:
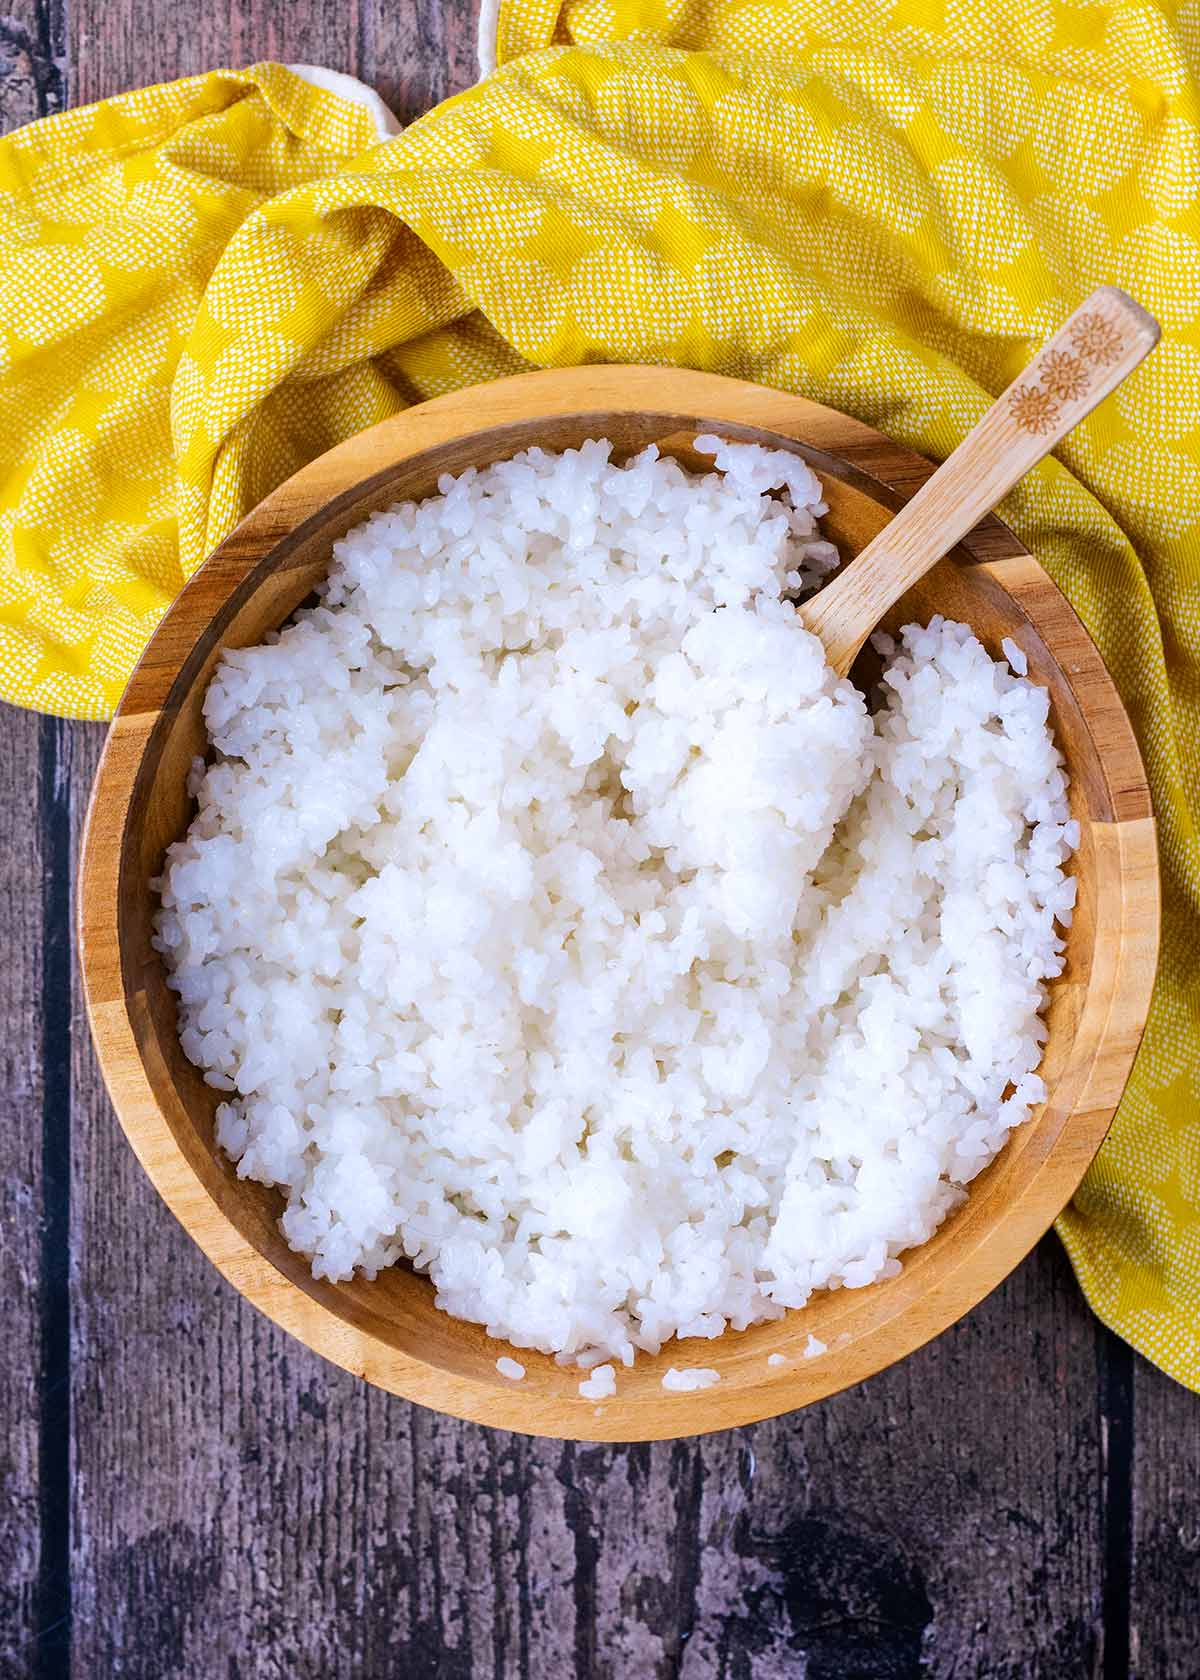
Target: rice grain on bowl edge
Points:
x,y
556,920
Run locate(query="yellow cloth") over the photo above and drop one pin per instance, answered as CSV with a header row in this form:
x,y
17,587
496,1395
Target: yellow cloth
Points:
x,y
886,207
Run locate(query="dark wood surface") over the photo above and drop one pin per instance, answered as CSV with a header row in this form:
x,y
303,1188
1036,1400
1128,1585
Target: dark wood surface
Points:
x,y
185,1492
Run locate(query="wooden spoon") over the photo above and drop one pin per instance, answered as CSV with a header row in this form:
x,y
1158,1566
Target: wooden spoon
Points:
x,y
1095,349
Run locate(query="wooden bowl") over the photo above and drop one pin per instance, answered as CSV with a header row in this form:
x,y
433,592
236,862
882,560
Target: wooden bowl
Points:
x,y
389,1330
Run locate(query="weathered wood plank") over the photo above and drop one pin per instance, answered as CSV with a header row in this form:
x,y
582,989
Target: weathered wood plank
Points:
x,y
1164,1585
32,1583
55,1279
121,44
942,1519
236,1491
417,53
21,1106
32,61
413,54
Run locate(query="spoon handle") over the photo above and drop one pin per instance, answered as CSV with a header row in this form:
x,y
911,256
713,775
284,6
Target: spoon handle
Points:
x,y
1096,348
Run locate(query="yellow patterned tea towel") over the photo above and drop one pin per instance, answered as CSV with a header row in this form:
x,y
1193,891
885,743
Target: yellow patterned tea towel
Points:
x,y
885,207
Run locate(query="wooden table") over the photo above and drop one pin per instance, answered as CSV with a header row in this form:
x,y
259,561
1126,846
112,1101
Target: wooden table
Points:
x,y
186,1492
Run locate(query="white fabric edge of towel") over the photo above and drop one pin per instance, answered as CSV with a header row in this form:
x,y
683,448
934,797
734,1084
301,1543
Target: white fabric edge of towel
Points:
x,y
489,29
358,93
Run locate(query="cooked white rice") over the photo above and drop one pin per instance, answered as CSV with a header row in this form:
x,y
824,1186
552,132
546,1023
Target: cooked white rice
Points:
x,y
687,1382
515,924
601,1385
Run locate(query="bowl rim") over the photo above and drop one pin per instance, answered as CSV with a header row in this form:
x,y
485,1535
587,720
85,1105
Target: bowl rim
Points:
x,y
593,391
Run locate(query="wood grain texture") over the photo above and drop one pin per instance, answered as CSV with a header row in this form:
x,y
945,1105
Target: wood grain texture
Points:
x,y
1164,1577
252,1511
348,1532
115,47
388,1329
32,61
33,1580
21,1105
414,54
